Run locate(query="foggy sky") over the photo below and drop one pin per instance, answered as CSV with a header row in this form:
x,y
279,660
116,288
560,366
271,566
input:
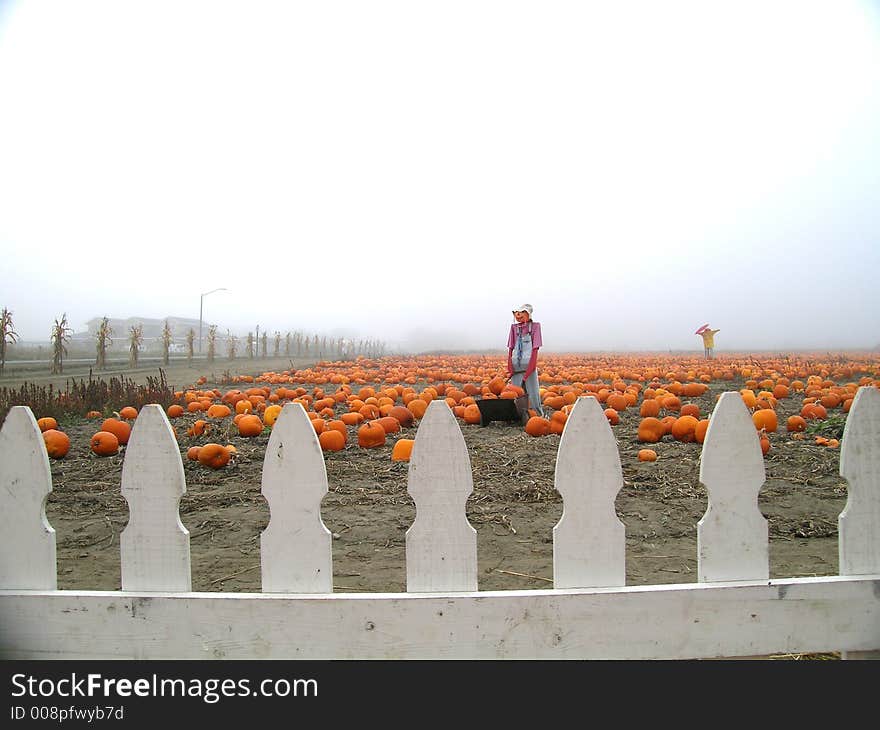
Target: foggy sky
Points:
x,y
410,172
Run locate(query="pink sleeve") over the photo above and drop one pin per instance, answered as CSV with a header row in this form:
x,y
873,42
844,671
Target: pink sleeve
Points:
x,y
536,335
511,338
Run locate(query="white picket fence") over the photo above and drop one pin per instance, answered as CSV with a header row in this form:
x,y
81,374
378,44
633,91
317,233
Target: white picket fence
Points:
x,y
733,610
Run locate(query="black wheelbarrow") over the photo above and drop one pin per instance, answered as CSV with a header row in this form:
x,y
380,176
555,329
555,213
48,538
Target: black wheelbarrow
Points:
x,y
503,409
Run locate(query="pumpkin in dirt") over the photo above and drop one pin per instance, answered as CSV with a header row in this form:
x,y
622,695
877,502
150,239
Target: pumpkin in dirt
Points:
x,y
649,407
104,443
389,423
174,410
700,431
219,410
47,423
796,424
404,415
647,455
215,456
199,428
651,430
371,435
537,426
402,450
120,429
192,453
270,415
765,419
684,429
250,425
129,413
471,414
331,439
57,443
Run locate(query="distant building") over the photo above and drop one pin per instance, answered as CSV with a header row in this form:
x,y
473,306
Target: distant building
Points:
x,y
152,328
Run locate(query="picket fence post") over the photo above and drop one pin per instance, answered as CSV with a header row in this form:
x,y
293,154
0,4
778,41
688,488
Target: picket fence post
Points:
x,y
858,525
295,548
441,545
27,557
589,541
732,535
154,546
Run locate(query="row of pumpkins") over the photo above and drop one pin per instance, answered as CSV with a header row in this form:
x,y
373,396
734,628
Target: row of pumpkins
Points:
x,y
377,412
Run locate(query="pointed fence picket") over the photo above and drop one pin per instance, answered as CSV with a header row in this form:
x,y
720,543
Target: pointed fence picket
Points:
x,y
733,610
154,546
296,545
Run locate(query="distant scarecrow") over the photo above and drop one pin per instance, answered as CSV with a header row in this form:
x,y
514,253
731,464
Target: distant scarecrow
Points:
x,y
708,336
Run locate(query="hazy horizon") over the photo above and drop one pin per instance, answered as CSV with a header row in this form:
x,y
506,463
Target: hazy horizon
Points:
x,y
410,173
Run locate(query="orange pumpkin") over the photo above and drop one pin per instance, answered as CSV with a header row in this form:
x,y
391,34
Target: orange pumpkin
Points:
x,y
57,443
174,410
647,455
765,419
129,413
537,426
403,415
651,430
796,424
104,443
402,450
219,410
192,453
215,456
389,423
472,414
120,429
47,423
371,435
250,425
270,415
690,409
331,439
684,429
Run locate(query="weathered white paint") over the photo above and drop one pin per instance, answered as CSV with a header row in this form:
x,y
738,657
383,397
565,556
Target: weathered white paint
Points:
x,y
27,558
589,541
859,536
295,547
694,620
154,544
732,536
441,545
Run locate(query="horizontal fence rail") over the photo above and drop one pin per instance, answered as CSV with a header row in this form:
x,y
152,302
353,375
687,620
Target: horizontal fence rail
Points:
x,y
734,609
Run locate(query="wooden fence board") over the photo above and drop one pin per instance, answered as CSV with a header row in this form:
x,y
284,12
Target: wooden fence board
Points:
x,y
295,547
695,620
589,541
27,558
441,545
732,536
154,546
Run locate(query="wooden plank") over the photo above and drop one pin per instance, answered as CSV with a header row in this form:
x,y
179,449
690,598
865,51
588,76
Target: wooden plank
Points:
x,y
27,560
589,541
732,536
154,544
859,523
296,546
681,621
441,545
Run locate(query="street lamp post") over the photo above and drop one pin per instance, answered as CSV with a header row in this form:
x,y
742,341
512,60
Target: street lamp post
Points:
x,y
201,306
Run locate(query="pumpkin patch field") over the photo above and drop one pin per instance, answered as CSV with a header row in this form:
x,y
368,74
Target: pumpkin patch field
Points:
x,y
367,412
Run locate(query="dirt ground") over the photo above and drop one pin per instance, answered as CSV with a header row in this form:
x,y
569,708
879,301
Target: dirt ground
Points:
x,y
514,507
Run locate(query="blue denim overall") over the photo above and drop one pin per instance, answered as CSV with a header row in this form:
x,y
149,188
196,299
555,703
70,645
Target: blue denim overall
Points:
x,y
522,353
